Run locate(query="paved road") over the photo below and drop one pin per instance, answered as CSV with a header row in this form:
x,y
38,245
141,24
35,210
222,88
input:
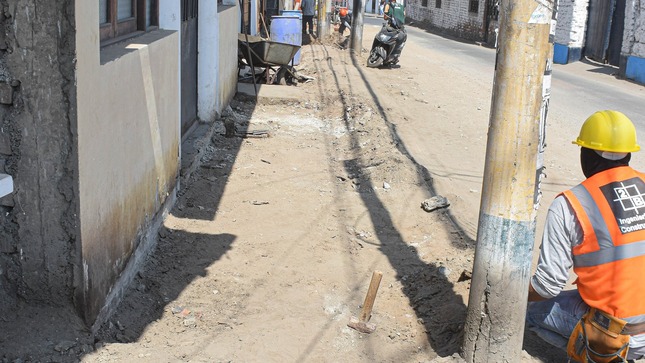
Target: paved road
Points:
x,y
578,89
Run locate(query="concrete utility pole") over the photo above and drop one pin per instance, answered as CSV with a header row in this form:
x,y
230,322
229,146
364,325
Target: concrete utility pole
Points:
x,y
510,194
323,25
356,37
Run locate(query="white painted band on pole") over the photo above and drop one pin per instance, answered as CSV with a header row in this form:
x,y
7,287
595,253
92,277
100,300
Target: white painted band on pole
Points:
x,y
6,185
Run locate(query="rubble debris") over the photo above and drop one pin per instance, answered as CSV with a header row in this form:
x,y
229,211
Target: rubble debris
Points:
x,y
435,202
455,358
190,321
465,275
64,346
255,133
259,202
444,271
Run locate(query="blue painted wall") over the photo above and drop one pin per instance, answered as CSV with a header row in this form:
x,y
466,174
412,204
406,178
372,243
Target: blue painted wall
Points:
x,y
560,53
563,54
635,69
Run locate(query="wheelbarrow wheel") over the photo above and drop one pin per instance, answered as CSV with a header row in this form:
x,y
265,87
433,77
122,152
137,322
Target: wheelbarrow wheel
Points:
x,y
280,77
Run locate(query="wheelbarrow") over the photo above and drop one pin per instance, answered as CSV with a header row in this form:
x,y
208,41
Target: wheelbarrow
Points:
x,y
272,56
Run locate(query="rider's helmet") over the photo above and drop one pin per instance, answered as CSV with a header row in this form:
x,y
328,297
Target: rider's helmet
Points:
x,y
343,12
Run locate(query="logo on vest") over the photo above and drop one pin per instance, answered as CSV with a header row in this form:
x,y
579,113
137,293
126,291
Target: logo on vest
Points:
x,y
627,201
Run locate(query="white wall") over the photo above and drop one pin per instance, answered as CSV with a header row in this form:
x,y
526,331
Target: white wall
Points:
x,y
634,34
207,60
453,16
572,22
229,26
128,151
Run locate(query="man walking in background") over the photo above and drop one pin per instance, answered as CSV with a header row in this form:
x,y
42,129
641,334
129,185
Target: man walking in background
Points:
x,y
308,13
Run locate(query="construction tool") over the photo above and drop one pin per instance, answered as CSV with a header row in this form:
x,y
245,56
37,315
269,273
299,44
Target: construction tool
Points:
x,y
361,323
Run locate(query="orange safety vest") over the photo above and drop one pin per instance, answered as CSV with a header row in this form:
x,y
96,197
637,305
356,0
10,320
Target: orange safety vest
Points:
x,y
610,261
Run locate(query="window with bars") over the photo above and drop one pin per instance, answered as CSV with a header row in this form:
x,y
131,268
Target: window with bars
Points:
x,y
437,4
474,6
122,18
424,3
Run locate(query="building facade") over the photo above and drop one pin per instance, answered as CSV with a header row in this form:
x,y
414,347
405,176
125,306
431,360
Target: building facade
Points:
x,y
95,101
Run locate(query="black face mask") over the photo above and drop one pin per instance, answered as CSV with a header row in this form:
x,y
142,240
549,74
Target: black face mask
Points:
x,y
593,163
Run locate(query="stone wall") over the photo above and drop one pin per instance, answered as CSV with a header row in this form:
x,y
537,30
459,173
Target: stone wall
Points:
x,y
632,62
570,31
572,21
634,33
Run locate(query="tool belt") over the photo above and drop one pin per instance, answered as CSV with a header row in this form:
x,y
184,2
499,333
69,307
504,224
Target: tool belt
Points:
x,y
599,338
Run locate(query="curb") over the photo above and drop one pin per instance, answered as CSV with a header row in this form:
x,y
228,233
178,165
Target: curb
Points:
x,y
193,146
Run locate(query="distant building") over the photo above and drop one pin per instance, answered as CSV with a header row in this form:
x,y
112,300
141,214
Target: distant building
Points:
x,y
611,32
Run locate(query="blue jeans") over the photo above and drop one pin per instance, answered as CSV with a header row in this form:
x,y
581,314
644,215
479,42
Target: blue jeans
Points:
x,y
553,320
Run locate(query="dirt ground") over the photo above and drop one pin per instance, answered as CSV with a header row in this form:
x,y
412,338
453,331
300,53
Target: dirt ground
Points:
x,y
270,248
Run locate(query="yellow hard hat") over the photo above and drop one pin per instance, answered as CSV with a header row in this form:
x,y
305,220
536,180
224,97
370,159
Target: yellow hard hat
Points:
x,y
608,131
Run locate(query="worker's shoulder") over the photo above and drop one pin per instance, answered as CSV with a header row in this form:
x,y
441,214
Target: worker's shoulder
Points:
x,y
560,206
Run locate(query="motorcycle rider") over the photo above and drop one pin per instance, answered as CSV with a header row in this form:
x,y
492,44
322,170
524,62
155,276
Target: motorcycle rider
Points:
x,y
394,13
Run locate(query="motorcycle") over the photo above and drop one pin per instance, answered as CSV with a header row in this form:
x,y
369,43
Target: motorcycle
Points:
x,y
387,45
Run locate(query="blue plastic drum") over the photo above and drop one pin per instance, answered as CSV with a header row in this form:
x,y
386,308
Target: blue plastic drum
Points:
x,y
287,29
297,13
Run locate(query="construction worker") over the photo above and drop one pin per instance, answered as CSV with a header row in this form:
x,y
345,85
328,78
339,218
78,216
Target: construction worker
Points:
x,y
345,20
598,228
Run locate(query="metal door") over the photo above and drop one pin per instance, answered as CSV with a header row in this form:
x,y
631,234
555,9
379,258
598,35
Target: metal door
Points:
x,y
616,33
491,16
598,29
188,64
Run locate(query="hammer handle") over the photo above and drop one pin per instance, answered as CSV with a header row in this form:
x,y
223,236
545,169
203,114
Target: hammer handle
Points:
x,y
366,311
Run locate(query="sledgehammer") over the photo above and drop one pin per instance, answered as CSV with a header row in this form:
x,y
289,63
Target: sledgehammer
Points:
x,y
361,324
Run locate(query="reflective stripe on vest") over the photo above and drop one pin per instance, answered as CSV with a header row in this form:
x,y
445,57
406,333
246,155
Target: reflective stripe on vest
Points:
x,y
610,261
608,252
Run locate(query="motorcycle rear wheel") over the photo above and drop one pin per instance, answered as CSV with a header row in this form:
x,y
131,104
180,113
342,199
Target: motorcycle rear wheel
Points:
x,y
376,57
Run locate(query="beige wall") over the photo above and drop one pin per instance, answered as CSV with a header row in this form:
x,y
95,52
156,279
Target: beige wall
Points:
x,y
229,26
128,145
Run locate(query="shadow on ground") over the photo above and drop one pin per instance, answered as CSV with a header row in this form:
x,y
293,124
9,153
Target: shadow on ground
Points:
x,y
180,258
441,311
600,67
